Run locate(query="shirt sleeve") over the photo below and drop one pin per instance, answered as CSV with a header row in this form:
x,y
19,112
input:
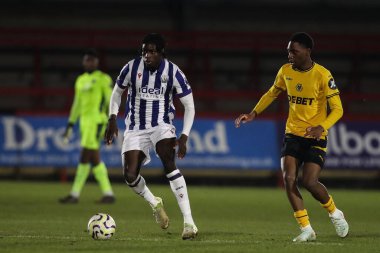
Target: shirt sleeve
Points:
x,y
181,84
188,118
115,100
74,111
124,77
333,100
271,94
107,91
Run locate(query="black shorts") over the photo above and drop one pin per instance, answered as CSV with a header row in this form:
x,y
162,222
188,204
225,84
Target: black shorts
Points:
x,y
304,149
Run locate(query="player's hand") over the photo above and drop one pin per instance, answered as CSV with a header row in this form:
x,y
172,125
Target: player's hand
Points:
x,y
244,118
314,132
181,143
68,133
111,130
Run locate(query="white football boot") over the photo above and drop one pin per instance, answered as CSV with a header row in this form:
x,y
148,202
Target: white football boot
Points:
x,y
307,235
160,214
190,231
340,223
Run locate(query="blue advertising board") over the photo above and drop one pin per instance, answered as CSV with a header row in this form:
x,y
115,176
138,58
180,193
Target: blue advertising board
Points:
x,y
216,144
212,144
354,145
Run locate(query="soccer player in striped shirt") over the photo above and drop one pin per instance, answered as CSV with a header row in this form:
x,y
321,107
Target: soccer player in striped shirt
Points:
x,y
152,81
92,94
311,89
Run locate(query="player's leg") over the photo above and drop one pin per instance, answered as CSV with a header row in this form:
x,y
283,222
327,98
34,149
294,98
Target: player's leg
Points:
x,y
87,139
135,152
292,153
311,182
166,152
80,178
289,167
132,161
91,140
101,175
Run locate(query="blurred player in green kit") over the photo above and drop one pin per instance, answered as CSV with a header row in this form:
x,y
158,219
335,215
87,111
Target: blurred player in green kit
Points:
x,y
92,95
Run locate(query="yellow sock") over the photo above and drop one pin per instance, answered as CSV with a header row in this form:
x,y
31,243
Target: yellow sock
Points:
x,y
80,178
330,205
302,217
101,175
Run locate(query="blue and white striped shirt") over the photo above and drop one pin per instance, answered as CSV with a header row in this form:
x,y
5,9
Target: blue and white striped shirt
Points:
x,y
150,94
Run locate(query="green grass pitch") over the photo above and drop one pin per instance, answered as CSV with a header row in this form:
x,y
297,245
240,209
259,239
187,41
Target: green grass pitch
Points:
x,y
230,219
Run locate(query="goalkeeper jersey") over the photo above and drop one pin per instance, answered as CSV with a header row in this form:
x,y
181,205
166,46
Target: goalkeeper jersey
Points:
x,y
309,93
92,96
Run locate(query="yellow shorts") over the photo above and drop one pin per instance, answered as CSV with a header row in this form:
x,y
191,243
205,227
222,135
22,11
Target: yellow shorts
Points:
x,y
91,134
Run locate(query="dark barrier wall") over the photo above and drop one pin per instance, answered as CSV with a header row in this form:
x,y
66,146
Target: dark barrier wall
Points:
x,y
213,144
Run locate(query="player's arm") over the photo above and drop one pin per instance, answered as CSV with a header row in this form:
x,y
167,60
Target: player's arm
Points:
x,y
73,117
267,99
185,95
114,106
75,107
107,92
336,112
336,108
263,103
278,87
188,119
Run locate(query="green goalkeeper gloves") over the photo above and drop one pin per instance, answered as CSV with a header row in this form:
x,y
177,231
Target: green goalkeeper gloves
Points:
x,y
68,133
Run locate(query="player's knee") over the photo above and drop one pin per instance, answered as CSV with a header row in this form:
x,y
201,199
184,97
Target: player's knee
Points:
x,y
289,180
309,183
129,176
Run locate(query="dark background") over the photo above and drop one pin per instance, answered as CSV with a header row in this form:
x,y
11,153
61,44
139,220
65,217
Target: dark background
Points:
x,y
229,50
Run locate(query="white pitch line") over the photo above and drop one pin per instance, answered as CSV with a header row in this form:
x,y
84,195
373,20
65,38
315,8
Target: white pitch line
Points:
x,y
119,239
41,237
159,240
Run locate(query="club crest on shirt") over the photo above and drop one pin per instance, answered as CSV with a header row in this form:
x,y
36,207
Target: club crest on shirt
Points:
x,y
332,84
139,75
164,78
87,86
299,87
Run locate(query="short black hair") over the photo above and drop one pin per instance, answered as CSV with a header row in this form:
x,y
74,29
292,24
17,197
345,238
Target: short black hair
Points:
x,y
155,39
304,39
91,52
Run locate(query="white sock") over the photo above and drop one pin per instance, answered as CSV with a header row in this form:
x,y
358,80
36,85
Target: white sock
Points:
x,y
139,187
307,228
74,194
337,214
178,186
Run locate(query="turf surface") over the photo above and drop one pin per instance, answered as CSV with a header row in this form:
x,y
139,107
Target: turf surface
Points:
x,y
230,219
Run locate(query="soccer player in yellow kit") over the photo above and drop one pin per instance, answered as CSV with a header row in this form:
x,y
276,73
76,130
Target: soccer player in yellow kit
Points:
x,y
311,90
92,95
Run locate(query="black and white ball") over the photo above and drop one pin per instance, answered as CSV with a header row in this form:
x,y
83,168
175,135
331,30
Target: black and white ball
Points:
x,y
101,226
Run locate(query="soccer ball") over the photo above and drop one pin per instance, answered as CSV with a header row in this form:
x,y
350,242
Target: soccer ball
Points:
x,y
101,226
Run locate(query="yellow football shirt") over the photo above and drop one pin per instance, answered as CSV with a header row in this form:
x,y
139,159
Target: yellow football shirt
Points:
x,y
309,93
